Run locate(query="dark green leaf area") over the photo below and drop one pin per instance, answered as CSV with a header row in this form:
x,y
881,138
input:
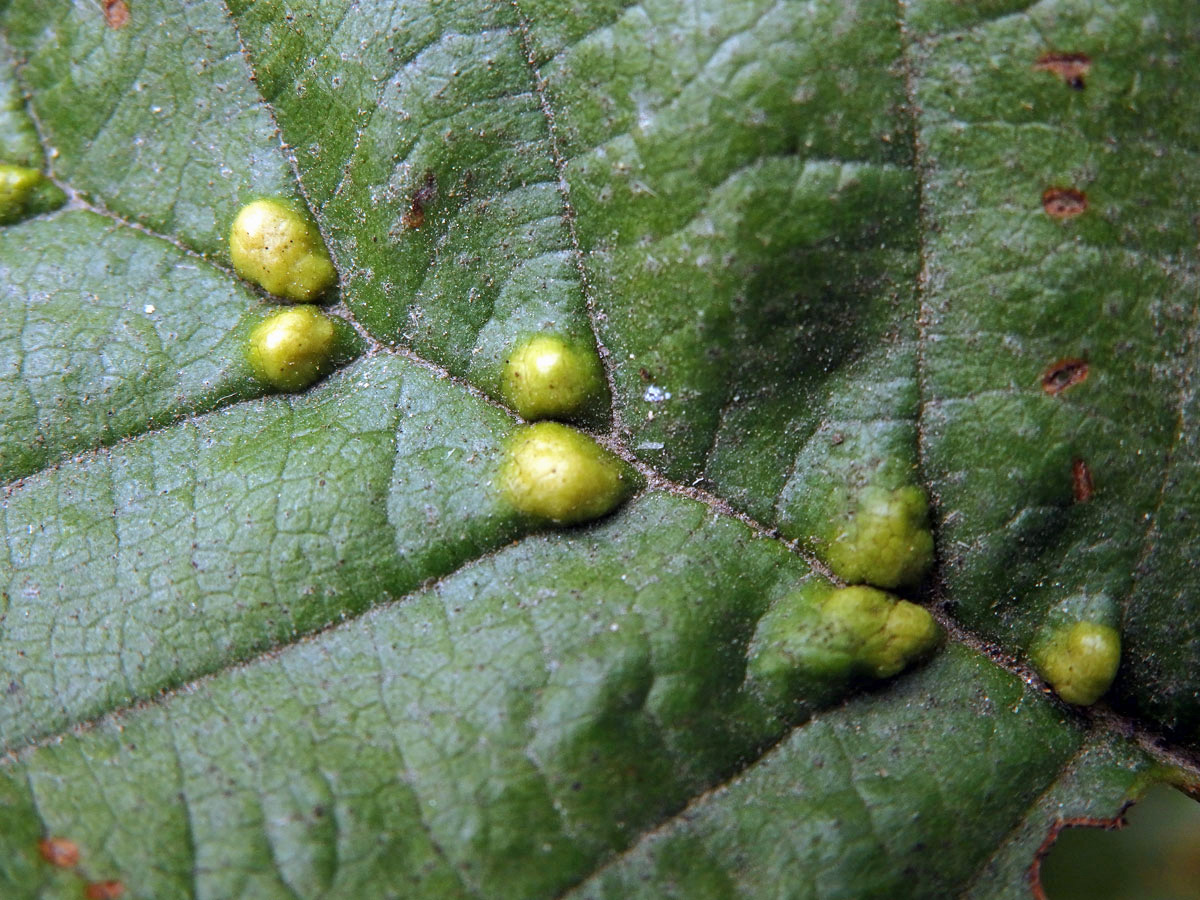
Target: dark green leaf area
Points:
x,y
744,203
1162,615
901,795
548,704
184,549
1053,491
157,120
106,332
730,383
954,18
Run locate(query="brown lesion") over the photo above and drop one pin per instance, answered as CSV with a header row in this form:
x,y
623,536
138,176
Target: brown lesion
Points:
x,y
1063,374
1081,481
422,197
1116,823
64,854
116,13
1064,202
104,890
59,851
1072,68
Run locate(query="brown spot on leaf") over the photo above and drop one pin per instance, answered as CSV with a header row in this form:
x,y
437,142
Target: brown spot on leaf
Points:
x,y
422,197
1081,480
58,851
1035,869
1063,374
1064,202
116,13
1070,67
104,890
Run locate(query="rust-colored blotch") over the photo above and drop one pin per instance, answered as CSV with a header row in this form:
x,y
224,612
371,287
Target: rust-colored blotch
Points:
x,y
104,890
1081,480
116,13
1070,67
59,851
422,197
1063,374
1064,202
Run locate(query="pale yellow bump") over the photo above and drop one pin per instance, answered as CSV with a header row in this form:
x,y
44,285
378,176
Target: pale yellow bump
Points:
x,y
886,541
545,377
291,348
555,473
888,633
24,191
280,249
1079,661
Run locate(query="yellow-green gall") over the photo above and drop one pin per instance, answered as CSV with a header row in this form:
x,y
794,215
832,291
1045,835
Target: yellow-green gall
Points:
x,y
26,192
813,641
280,249
292,348
1080,661
885,541
555,473
885,633
545,377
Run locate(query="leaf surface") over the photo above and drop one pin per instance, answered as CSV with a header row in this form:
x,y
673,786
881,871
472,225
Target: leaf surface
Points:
x,y
303,645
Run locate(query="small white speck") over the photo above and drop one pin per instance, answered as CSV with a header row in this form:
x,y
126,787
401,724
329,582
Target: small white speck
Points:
x,y
651,445
655,394
613,627
148,308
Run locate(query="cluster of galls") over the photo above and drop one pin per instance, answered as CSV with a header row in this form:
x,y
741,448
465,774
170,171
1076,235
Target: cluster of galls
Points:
x,y
554,474
551,473
278,247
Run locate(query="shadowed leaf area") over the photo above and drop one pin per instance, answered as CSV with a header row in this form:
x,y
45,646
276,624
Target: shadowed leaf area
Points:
x,y
852,556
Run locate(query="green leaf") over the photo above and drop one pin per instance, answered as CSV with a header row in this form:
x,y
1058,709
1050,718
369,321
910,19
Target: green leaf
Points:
x,y
863,278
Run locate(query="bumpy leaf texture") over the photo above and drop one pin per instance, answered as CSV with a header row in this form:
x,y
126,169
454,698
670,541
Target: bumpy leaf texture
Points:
x,y
835,256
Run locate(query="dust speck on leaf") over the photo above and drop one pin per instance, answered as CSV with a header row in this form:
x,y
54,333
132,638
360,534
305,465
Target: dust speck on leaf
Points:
x,y
104,890
1064,202
59,851
116,13
1063,374
1072,68
1081,480
422,197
